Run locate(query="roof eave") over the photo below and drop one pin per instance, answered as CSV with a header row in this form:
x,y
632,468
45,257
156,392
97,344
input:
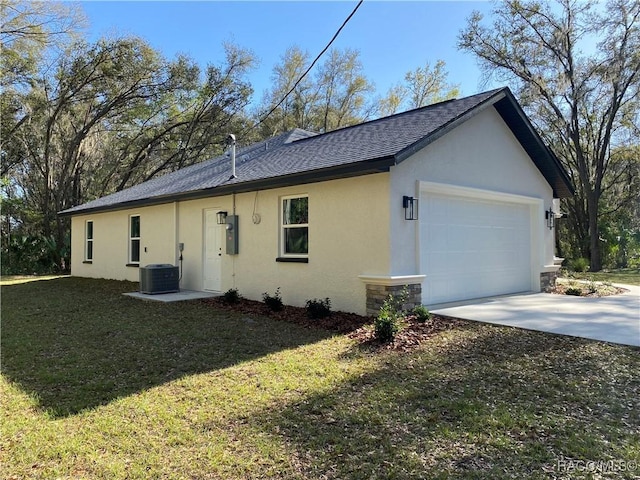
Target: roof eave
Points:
x,y
520,125
367,167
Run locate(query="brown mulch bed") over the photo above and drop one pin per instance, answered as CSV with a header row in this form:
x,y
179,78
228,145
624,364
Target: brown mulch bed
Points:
x,y
339,322
358,327
585,290
411,335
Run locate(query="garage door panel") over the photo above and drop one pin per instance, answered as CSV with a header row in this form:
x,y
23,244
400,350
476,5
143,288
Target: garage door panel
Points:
x,y
438,238
438,288
473,247
438,262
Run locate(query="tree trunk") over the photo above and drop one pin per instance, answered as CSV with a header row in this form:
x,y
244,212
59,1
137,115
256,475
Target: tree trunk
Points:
x,y
62,229
594,233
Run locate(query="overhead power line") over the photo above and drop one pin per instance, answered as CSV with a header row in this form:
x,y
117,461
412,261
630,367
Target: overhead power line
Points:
x,y
310,66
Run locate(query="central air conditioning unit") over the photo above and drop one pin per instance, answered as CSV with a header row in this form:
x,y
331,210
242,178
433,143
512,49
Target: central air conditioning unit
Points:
x,y
159,278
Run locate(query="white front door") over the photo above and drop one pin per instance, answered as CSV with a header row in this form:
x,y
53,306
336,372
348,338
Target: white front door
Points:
x,y
213,237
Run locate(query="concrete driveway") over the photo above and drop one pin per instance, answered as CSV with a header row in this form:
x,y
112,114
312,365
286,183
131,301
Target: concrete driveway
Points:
x,y
613,319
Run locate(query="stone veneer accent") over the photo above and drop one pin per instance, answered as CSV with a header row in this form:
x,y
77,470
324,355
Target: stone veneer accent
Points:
x,y
548,280
550,275
377,294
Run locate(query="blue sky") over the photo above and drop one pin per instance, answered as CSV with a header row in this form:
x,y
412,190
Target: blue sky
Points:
x,y
393,37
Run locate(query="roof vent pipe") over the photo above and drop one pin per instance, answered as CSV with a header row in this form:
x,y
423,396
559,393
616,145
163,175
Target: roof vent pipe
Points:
x,y
231,140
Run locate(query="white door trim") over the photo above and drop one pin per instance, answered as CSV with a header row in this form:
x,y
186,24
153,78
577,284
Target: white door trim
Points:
x,y
459,191
212,284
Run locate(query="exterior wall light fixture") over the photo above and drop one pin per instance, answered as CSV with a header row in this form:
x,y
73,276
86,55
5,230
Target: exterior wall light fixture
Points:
x,y
410,206
550,216
221,217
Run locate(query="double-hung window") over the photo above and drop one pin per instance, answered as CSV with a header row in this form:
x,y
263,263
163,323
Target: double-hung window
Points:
x,y
294,227
134,239
88,241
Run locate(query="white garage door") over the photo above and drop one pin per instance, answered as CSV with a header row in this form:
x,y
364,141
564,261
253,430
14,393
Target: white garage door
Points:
x,y
473,247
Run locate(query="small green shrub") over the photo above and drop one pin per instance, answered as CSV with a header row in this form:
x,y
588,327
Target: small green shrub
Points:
x,y
318,308
231,296
274,302
579,264
387,323
575,291
386,326
421,313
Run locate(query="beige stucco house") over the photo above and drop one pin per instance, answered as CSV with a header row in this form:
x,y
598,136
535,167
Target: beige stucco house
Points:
x,y
455,200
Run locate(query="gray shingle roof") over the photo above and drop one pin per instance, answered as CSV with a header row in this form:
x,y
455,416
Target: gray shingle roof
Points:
x,y
301,157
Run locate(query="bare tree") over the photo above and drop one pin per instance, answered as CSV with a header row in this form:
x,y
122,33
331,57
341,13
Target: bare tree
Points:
x,y
115,113
579,100
28,30
333,97
422,86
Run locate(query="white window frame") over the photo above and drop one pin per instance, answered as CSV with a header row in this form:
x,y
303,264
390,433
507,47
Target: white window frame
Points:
x,y
88,241
283,227
132,238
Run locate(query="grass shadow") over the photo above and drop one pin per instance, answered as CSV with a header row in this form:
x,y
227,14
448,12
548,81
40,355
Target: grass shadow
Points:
x,y
443,413
77,343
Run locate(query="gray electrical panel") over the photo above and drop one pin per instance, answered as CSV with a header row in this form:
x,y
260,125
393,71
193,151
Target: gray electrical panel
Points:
x,y
232,234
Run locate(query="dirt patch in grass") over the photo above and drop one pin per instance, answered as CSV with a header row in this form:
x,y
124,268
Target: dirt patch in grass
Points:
x,y
360,328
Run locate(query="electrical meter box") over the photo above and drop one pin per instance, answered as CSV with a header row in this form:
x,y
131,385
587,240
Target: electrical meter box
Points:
x,y
232,234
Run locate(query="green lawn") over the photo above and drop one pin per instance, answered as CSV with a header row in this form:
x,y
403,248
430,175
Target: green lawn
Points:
x,y
17,279
96,385
627,276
